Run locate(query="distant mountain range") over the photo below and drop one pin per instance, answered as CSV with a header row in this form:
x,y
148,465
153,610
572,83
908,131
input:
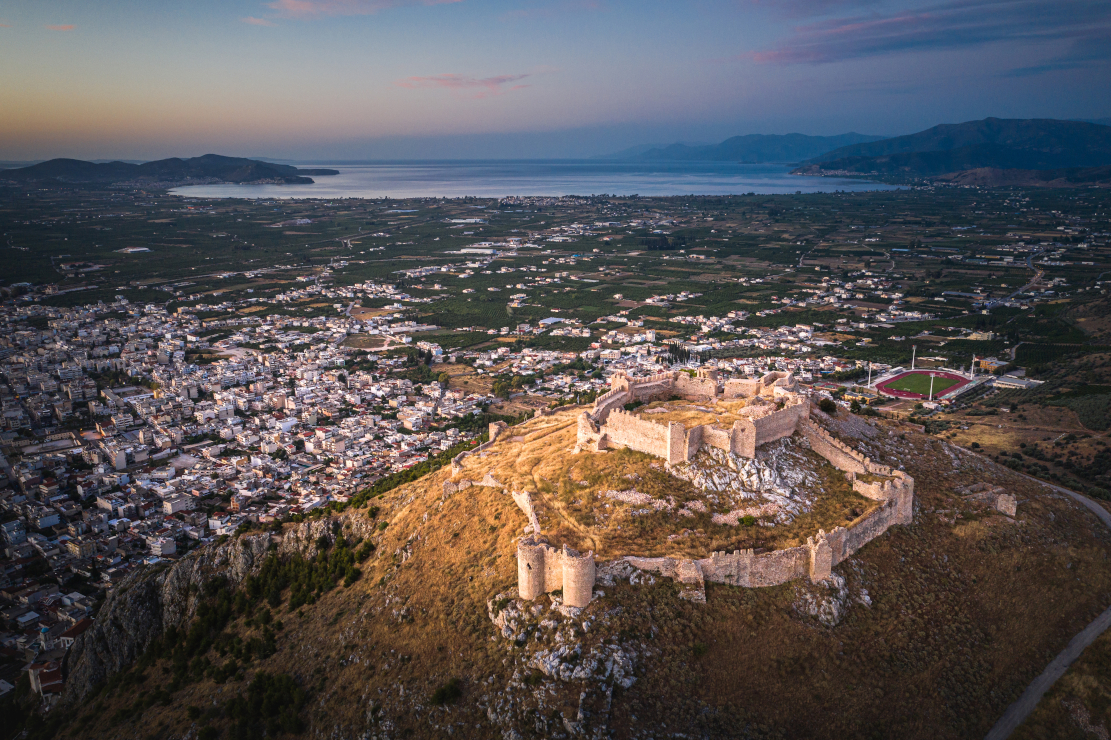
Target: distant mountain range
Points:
x,y
990,144
756,148
209,168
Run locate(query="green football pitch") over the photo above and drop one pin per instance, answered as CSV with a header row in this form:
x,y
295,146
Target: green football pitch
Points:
x,y
920,383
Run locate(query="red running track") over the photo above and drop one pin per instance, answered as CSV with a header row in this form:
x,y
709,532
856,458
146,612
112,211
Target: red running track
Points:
x,y
883,387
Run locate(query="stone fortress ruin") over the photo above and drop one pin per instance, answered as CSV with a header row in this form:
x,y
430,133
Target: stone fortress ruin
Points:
x,y
738,416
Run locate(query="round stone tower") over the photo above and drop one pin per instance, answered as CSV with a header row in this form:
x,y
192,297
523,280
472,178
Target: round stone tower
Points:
x,y
530,568
578,577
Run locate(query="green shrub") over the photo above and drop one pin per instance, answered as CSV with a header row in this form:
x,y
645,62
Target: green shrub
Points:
x,y
449,693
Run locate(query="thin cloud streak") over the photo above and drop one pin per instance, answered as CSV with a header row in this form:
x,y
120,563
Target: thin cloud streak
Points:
x,y
486,86
1096,47
317,8
956,24
68,27
252,21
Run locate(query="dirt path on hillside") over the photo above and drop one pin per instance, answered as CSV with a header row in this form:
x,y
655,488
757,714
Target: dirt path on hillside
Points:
x,y
1017,713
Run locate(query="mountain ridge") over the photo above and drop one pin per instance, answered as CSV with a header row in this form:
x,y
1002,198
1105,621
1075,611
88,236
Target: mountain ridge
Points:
x,y
755,148
208,167
1025,144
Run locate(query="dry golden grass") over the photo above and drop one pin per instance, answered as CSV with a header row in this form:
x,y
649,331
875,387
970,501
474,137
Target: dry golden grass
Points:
x,y
692,413
967,607
569,492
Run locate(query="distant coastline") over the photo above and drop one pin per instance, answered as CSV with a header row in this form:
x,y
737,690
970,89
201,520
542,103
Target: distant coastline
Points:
x,y
499,178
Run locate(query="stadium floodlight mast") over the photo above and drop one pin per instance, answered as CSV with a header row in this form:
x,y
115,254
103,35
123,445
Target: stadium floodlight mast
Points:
x,y
932,376
913,352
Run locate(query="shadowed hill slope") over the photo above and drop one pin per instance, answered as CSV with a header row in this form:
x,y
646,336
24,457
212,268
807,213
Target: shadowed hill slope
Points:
x,y
1036,144
928,632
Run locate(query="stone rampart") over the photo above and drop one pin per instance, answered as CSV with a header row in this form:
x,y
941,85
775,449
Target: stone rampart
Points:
x,y
769,385
495,429
782,423
720,438
779,566
743,442
814,560
741,388
453,487
609,426
542,569
524,502
698,388
604,404
897,486
623,429
839,454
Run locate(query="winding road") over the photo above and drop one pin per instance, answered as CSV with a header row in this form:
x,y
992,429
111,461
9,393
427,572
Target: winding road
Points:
x,y
1017,713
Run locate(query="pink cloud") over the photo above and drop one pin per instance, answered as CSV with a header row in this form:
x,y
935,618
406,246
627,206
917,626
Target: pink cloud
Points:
x,y
948,24
68,27
484,87
252,21
313,8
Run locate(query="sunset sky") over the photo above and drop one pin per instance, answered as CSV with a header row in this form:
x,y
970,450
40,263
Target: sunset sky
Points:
x,y
351,79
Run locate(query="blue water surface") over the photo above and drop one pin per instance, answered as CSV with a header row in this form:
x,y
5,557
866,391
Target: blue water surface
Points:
x,y
499,178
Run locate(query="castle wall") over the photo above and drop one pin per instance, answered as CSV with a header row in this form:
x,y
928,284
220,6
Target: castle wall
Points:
x,y
741,388
867,529
695,388
779,424
715,437
779,566
839,455
744,438
653,388
608,402
624,429
524,502
694,442
495,429
677,447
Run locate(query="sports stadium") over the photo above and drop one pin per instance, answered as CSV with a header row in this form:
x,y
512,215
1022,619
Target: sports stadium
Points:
x,y
915,384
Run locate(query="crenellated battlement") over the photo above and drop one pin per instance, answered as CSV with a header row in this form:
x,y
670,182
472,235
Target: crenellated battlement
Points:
x,y
542,568
609,426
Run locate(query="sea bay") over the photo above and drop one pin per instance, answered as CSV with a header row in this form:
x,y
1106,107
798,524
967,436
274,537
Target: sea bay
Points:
x,y
500,178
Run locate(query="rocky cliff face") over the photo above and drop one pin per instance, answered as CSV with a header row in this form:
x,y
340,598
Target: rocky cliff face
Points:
x,y
149,601
152,599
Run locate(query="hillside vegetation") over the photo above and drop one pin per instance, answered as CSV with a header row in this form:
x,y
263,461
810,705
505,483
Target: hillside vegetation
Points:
x,y
398,617
207,167
1035,144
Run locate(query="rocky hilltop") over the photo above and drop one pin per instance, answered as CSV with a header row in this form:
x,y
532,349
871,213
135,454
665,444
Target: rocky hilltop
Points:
x,y
400,617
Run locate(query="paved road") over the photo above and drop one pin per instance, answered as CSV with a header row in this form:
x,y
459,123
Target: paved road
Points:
x,y
1017,713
